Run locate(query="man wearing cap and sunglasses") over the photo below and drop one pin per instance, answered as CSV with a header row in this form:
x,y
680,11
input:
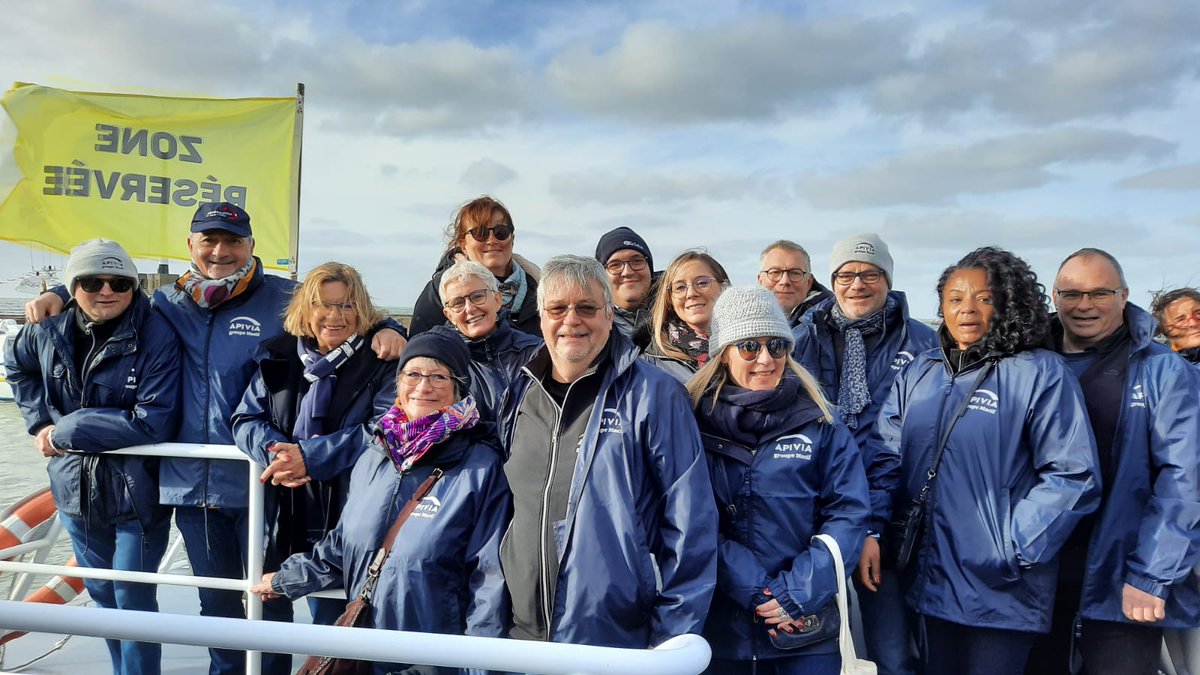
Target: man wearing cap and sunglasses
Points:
x,y
855,343
221,309
104,374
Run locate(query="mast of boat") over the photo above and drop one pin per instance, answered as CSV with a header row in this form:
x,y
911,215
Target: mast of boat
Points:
x,y
294,225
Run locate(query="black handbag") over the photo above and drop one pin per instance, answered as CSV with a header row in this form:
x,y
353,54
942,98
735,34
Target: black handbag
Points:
x,y
358,612
811,629
902,536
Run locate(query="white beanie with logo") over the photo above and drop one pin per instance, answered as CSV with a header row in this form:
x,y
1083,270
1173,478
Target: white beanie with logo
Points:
x,y
98,257
745,312
864,248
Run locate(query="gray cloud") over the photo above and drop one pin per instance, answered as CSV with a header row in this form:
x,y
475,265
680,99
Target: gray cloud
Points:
x,y
752,68
486,175
1014,162
1184,177
1048,62
608,188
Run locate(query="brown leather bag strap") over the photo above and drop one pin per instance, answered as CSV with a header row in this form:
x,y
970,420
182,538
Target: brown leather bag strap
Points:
x,y
386,548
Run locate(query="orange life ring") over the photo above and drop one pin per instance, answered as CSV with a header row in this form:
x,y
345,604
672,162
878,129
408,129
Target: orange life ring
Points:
x,y
18,520
58,591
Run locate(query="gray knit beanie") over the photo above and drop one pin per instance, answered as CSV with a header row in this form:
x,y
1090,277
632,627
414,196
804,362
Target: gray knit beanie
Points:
x,y
98,257
866,248
746,312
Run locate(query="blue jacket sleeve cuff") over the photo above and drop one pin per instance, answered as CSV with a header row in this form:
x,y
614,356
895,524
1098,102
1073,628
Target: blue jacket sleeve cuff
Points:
x,y
1157,589
779,591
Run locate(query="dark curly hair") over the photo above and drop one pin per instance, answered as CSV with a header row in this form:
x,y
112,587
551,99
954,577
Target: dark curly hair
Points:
x,y
1163,299
1021,320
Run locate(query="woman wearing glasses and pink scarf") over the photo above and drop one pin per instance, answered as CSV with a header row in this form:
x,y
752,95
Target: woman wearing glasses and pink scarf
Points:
x,y
443,571
482,230
784,468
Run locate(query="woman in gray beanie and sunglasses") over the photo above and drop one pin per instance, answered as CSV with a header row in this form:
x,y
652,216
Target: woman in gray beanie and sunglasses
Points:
x,y
783,470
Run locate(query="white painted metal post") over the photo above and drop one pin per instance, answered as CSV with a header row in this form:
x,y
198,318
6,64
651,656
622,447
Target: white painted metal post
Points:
x,y
254,558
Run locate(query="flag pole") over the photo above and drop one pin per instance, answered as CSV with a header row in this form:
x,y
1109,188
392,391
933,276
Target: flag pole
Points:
x,y
297,154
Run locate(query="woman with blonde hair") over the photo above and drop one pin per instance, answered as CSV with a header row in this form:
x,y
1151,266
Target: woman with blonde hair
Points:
x,y
308,412
681,313
784,469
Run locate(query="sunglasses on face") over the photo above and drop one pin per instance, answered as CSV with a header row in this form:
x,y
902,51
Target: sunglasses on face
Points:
x,y
560,311
777,347
476,298
94,284
502,232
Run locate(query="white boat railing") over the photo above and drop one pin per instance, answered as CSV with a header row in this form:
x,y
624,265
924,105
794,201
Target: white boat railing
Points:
x,y
682,655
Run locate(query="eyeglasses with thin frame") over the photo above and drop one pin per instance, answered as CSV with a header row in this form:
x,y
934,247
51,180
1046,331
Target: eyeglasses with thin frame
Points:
x,y
94,284
583,311
1099,296
794,274
459,304
701,284
502,231
637,263
346,307
777,347
412,378
870,277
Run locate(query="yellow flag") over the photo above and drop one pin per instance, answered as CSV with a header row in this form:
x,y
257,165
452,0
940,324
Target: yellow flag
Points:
x,y
133,169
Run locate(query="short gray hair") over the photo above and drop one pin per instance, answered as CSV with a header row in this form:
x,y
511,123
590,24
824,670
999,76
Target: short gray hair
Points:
x,y
576,271
787,245
1096,253
463,270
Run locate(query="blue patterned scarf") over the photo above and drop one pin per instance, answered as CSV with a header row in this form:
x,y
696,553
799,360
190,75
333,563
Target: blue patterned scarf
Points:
x,y
321,372
854,393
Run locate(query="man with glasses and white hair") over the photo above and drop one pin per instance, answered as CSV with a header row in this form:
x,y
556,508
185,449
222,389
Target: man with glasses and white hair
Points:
x,y
854,344
613,537
785,269
1126,572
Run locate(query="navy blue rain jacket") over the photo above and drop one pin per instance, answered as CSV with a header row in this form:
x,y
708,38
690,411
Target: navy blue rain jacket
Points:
x,y
1018,474
364,390
129,395
443,573
785,475
640,507
1148,533
896,349
218,348
496,362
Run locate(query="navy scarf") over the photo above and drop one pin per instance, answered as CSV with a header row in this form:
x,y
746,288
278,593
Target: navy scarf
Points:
x,y
321,372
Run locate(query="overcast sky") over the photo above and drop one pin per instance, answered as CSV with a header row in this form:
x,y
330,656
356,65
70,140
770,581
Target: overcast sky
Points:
x,y
1039,127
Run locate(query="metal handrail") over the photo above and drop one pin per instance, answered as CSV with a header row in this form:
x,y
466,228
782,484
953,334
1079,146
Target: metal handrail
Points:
x,y
682,655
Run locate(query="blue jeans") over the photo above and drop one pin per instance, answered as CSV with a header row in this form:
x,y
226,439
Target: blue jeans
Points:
x,y
887,626
121,543
216,546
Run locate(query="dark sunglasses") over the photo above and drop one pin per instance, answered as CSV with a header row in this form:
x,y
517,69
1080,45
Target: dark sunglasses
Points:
x,y
777,347
502,232
94,284
560,311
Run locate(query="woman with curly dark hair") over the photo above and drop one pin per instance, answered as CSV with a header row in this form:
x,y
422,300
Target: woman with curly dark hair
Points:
x,y
998,467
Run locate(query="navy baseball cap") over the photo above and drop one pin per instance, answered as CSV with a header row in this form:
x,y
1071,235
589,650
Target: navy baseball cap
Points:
x,y
221,216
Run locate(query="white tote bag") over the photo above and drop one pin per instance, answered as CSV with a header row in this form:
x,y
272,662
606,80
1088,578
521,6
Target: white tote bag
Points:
x,y
851,664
